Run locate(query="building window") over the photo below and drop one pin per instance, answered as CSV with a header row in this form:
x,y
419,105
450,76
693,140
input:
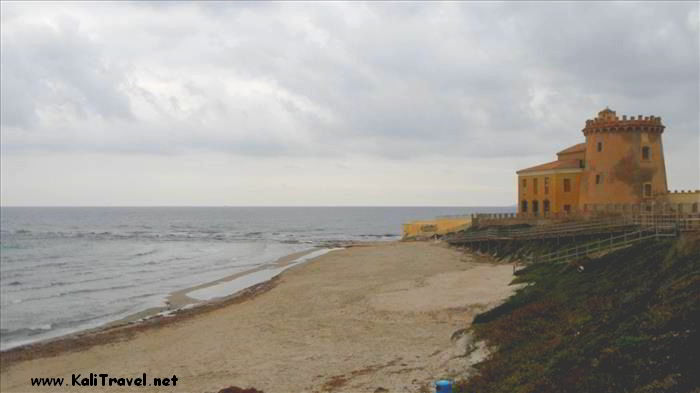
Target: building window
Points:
x,y
695,207
534,186
546,185
647,190
535,207
581,163
524,183
600,147
523,207
567,185
567,209
599,178
646,153
545,206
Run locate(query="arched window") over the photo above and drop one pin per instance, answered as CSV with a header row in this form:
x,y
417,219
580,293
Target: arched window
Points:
x,y
523,207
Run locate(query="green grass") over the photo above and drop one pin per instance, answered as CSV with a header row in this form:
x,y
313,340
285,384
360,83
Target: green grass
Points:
x,y
627,323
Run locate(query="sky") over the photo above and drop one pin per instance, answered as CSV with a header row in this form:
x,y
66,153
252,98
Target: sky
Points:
x,y
307,104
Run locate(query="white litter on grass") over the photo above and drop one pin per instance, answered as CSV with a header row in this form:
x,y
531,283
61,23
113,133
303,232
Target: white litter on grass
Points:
x,y
228,288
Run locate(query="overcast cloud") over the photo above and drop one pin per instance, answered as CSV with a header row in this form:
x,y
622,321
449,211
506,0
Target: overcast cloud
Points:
x,y
327,103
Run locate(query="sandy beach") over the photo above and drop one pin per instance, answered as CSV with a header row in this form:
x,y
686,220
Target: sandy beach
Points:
x,y
370,318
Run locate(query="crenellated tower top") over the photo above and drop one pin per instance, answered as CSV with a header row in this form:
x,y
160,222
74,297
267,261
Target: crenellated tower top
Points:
x,y
608,121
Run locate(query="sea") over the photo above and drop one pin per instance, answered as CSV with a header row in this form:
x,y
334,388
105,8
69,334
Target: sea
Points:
x,y
67,269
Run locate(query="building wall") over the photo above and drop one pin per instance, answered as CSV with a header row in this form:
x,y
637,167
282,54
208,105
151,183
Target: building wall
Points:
x,y
529,194
535,193
556,195
622,170
570,198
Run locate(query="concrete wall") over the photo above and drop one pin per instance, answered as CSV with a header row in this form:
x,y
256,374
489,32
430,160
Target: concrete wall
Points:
x,y
438,226
686,202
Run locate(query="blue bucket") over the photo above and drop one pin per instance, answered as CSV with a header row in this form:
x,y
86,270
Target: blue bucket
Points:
x,y
443,386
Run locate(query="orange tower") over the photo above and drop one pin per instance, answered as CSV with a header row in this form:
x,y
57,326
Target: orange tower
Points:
x,y
624,162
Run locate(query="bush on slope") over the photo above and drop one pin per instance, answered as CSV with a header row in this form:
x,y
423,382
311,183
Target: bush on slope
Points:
x,y
627,323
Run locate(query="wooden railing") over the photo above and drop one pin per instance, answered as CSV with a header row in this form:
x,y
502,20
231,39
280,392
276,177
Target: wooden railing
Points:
x,y
542,232
604,245
624,232
684,223
626,223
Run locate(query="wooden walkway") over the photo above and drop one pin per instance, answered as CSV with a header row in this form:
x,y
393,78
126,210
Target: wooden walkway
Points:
x,y
623,231
600,246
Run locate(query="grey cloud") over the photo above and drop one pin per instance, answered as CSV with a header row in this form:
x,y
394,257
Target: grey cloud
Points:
x,y
394,80
57,68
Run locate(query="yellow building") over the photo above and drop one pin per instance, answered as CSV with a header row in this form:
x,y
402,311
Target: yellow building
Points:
x,y
620,166
552,187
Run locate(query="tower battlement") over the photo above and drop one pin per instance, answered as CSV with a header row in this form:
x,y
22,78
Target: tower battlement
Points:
x,y
608,121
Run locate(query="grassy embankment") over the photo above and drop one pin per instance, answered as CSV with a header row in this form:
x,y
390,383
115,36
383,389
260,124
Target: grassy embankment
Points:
x,y
627,323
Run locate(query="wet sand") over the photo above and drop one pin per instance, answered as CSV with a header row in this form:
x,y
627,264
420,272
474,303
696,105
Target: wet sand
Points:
x,y
371,317
178,301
